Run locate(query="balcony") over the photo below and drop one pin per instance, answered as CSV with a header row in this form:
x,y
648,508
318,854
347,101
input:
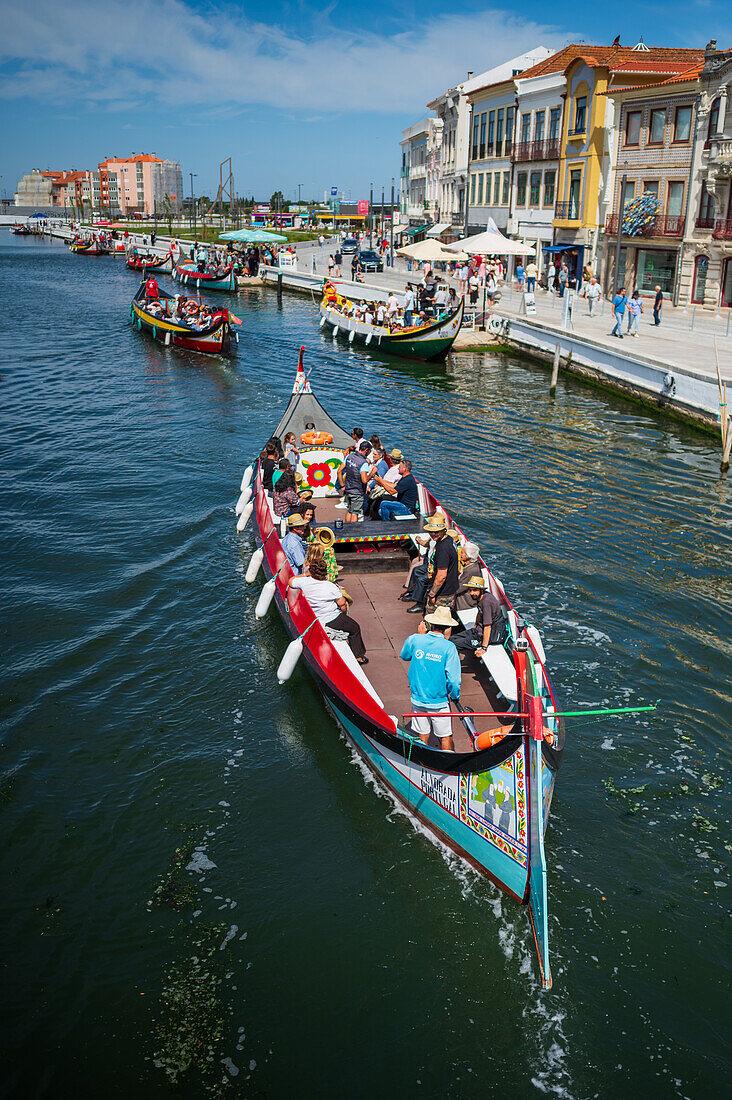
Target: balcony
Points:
x,y
567,211
537,150
663,225
705,223
723,230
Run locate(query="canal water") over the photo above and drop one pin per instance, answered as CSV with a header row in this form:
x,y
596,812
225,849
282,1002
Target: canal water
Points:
x,y
203,893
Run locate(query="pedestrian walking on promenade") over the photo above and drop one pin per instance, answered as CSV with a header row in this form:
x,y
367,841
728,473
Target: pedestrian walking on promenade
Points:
x,y
619,303
593,295
520,272
338,258
563,278
531,272
635,308
331,265
657,305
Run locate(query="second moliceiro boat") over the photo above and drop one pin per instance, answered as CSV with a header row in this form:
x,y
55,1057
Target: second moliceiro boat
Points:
x,y
219,279
168,320
427,342
489,799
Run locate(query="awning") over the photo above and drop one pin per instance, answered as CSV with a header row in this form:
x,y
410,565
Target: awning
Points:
x,y
415,229
439,229
561,247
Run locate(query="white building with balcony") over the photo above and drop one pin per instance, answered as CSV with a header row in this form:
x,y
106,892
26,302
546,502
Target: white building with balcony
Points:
x,y
420,146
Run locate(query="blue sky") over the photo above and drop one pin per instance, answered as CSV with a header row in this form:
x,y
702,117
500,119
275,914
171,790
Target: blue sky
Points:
x,y
295,93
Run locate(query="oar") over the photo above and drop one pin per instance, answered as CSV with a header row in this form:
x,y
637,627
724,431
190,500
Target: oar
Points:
x,y
466,720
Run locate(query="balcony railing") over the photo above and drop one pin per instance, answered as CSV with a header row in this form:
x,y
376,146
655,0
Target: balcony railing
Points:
x,y
705,223
567,211
723,230
537,150
663,225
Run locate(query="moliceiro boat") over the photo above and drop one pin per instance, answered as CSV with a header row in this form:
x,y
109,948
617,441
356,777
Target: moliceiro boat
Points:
x,y
149,261
21,230
221,279
184,323
92,247
489,798
427,342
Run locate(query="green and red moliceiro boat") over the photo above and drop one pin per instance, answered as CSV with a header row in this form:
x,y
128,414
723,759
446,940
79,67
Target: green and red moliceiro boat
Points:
x,y
426,342
189,275
489,799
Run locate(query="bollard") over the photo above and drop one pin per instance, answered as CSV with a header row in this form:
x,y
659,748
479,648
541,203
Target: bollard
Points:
x,y
279,288
693,315
555,369
729,311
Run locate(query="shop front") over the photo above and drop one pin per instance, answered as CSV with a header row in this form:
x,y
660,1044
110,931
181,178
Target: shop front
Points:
x,y
573,255
656,267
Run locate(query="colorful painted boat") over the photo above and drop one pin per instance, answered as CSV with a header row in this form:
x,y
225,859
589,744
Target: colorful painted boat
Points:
x,y
150,262
189,275
21,230
426,342
216,338
94,247
490,805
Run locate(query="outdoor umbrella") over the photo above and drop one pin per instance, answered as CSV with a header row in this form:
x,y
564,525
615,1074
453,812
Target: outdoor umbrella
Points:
x,y
430,250
252,236
491,244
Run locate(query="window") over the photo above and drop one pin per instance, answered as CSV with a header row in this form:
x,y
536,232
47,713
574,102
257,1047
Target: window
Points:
x,y
480,187
713,122
580,115
706,208
491,132
535,189
521,189
499,132
476,125
675,198
682,124
510,111
554,116
525,128
655,267
506,187
549,188
650,187
575,193
483,121
472,189
701,266
539,126
632,127
657,126
496,188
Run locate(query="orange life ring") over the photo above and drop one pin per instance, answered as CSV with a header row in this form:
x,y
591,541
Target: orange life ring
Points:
x,y
316,439
488,739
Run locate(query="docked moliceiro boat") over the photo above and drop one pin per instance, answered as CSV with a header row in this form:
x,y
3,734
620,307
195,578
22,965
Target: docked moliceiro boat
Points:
x,y
222,278
21,230
489,799
149,261
184,323
93,246
427,342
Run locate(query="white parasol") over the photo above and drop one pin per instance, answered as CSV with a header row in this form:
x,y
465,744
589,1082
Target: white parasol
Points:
x,y
431,250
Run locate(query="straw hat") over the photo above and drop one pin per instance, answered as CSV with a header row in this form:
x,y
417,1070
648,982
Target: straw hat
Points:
x,y
305,494
396,454
295,520
298,477
346,597
476,582
325,536
441,617
455,535
436,523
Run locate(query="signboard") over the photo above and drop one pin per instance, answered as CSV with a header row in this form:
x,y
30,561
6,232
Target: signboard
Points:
x,y
529,303
363,206
334,191
262,208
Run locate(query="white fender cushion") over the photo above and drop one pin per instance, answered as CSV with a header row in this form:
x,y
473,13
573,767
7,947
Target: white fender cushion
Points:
x,y
503,671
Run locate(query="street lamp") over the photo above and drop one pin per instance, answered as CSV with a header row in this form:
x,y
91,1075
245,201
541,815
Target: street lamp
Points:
x,y
193,202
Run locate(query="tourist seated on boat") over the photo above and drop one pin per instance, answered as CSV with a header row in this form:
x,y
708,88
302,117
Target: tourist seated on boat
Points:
x,y
324,537
277,443
442,568
490,623
469,567
285,499
293,543
368,315
402,496
434,676
380,314
155,308
268,462
383,484
282,466
329,605
442,299
307,511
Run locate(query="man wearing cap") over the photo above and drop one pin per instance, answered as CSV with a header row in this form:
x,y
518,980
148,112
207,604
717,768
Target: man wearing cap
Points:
x,y
445,572
353,475
434,676
293,543
489,624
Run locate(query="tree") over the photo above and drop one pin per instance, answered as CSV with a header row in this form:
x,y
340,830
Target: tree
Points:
x,y
277,202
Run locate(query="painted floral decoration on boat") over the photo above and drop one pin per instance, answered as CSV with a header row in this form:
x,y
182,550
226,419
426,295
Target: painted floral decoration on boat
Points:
x,y
319,474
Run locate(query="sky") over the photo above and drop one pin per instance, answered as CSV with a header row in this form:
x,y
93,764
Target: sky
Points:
x,y
302,96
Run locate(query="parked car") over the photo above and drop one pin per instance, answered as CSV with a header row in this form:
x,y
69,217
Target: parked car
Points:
x,y
350,244
370,261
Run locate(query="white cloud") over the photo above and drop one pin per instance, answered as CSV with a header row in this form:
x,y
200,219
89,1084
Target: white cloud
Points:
x,y
167,53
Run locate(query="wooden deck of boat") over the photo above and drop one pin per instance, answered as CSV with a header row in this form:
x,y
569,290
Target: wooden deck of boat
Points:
x,y
385,624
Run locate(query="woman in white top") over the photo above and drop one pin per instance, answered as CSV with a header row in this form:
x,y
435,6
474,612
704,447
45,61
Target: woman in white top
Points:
x,y
329,605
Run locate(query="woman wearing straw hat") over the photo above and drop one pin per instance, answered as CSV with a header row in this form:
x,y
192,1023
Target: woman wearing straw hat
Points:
x,y
324,537
434,676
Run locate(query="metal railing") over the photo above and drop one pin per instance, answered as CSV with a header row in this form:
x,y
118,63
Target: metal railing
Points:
x,y
536,150
723,230
663,225
567,211
705,223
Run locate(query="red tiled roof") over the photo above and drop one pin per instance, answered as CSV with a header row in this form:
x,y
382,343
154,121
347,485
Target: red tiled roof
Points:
x,y
657,59
684,77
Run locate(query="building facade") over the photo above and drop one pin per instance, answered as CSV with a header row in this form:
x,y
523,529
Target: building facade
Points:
x,y
706,269
121,185
420,171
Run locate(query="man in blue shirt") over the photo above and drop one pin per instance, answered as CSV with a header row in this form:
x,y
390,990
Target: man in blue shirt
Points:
x,y
403,496
408,305
293,543
619,303
434,676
